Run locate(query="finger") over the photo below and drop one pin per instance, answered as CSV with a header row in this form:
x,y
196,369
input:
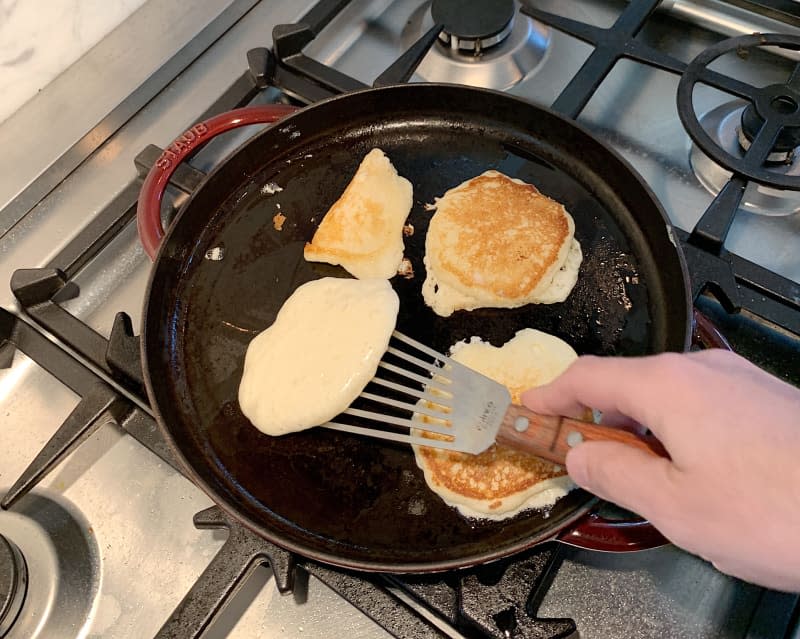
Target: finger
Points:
x,y
717,359
639,388
626,476
618,420
557,397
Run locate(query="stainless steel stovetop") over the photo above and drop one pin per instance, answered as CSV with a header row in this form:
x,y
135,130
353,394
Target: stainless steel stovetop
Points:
x,y
107,537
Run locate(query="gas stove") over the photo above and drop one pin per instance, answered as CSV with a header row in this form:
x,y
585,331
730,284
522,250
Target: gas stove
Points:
x,y
100,535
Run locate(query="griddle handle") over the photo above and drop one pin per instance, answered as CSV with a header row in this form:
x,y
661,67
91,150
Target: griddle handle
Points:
x,y
148,208
705,334
595,532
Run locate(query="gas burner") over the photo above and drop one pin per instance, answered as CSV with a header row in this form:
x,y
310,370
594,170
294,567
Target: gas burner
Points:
x,y
49,570
13,584
473,26
724,125
497,53
770,117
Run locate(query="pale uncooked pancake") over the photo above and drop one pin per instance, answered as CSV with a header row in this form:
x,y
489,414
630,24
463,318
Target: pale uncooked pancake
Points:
x,y
501,482
498,242
363,230
318,355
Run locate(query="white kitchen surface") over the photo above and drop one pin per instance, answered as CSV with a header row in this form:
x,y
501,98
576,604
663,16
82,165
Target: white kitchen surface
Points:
x,y
40,39
59,115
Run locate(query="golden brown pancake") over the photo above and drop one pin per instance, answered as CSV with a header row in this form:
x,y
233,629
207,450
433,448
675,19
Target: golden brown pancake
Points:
x,y
501,482
497,241
363,230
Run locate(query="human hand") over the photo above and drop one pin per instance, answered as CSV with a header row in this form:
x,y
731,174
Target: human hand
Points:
x,y
731,492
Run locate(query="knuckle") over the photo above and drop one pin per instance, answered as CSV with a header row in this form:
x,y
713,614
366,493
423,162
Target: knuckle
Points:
x,y
678,374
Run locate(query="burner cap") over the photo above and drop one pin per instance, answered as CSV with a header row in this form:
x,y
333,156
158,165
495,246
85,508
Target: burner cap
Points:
x,y
13,584
777,101
473,25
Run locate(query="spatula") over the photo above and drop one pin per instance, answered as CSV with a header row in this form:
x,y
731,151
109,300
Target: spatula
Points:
x,y
469,409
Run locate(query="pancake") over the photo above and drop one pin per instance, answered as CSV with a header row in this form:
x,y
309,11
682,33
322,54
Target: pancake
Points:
x,y
500,482
363,230
444,299
318,355
498,242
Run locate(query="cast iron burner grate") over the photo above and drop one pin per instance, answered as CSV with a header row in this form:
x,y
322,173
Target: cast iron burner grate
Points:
x,y
497,600
770,125
481,602
736,283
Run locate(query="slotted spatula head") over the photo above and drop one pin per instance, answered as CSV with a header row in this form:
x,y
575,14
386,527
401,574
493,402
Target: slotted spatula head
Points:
x,y
469,409
459,402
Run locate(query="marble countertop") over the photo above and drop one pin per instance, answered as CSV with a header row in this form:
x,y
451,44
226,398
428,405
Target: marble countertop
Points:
x,y
67,66
40,39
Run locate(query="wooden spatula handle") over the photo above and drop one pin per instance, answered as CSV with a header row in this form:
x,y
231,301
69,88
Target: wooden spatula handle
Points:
x,y
551,437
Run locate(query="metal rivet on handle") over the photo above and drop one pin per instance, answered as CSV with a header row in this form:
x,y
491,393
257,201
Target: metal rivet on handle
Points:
x,y
215,254
574,438
521,424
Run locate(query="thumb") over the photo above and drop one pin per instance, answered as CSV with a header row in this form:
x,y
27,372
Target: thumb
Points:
x,y
624,475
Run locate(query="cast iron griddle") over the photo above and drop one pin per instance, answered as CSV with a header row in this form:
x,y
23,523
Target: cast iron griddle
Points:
x,y
340,498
